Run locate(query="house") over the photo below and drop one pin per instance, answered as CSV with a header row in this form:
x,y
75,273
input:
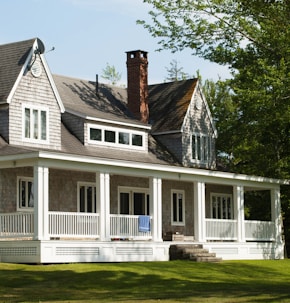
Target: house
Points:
x,y
95,173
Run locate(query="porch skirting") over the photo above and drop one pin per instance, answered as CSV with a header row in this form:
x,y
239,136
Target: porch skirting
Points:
x,y
74,251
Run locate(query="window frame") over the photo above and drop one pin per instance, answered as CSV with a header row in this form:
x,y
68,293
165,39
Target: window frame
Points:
x,y
177,222
94,195
26,180
118,132
202,148
219,213
32,109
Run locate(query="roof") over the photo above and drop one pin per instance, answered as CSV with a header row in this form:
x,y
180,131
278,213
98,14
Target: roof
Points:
x,y
168,104
80,97
12,58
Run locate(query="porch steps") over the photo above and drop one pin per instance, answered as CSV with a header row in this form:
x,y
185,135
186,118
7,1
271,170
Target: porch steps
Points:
x,y
192,252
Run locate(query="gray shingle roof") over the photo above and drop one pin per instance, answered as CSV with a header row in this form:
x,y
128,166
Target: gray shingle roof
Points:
x,y
12,58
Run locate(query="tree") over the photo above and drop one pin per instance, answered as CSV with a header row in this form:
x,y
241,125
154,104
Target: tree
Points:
x,y
252,38
110,74
175,72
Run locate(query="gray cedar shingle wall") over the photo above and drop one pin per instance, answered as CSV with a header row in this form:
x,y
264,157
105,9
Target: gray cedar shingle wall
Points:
x,y
36,92
197,121
75,125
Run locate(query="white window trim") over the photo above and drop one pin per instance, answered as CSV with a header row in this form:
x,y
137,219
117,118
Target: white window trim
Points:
x,y
116,143
130,191
177,191
38,108
222,195
202,147
27,179
87,184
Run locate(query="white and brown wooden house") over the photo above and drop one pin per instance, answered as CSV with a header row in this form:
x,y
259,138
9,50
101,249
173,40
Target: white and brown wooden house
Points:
x,y
96,173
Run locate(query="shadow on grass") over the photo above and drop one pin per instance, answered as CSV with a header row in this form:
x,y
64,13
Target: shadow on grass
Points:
x,y
174,281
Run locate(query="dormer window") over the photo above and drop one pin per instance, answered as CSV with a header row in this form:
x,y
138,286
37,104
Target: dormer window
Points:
x,y
35,124
117,137
200,148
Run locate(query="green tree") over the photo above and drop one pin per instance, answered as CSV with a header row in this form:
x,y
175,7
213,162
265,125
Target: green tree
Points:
x,y
175,73
110,74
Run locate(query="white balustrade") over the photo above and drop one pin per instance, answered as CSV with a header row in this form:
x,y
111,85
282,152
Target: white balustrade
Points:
x,y
127,227
16,225
259,230
72,224
219,229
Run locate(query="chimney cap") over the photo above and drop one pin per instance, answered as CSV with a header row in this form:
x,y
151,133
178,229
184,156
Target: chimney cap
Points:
x,y
137,54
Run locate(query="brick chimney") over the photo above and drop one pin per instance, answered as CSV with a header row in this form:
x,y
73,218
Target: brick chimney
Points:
x,y
137,77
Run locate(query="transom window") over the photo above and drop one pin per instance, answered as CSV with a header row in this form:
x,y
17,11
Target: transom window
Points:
x,y
35,124
116,137
177,207
200,148
25,193
86,197
133,201
221,206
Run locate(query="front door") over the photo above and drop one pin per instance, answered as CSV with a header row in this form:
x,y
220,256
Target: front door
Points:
x,y
133,201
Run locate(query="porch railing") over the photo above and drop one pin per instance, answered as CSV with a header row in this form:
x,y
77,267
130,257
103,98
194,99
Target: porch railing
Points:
x,y
16,225
72,224
127,227
259,230
218,229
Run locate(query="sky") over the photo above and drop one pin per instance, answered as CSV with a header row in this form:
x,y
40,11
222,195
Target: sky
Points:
x,y
89,34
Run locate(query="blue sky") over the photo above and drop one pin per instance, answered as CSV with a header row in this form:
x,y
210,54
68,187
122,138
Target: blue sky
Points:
x,y
87,34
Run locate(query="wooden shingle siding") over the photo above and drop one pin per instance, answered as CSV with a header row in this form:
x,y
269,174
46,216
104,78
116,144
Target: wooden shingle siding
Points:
x,y
75,124
35,92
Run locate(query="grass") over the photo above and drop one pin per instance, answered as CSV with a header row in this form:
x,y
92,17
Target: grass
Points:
x,y
164,282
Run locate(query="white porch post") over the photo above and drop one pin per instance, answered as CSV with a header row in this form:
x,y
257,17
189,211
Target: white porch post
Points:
x,y
103,204
40,192
276,214
156,207
199,212
239,208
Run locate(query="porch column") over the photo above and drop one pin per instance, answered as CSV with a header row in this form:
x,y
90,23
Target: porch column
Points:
x,y
40,191
238,195
276,214
103,204
199,212
156,207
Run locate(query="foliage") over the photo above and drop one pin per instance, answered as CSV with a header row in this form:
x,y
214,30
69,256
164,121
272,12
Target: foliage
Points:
x,y
110,74
182,281
175,73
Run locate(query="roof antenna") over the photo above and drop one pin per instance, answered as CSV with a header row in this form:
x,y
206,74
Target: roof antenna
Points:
x,y
52,49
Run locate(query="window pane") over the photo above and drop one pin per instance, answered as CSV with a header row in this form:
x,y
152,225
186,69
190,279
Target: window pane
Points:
x,y
82,199
198,147
27,123
124,203
174,207
139,204
95,134
206,149
110,136
193,147
89,199
35,124
124,138
30,194
137,140
43,125
180,209
22,193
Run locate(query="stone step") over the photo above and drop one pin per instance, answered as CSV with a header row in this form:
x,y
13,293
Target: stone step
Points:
x,y
205,259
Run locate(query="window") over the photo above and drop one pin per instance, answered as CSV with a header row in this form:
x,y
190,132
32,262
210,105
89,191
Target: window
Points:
x,y
86,197
25,193
177,207
221,206
200,148
35,124
116,137
133,201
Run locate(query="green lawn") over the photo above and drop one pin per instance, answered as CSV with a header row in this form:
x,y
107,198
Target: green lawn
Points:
x,y
175,281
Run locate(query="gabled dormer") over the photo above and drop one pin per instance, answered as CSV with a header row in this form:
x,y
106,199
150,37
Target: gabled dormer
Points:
x,y
30,107
182,122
